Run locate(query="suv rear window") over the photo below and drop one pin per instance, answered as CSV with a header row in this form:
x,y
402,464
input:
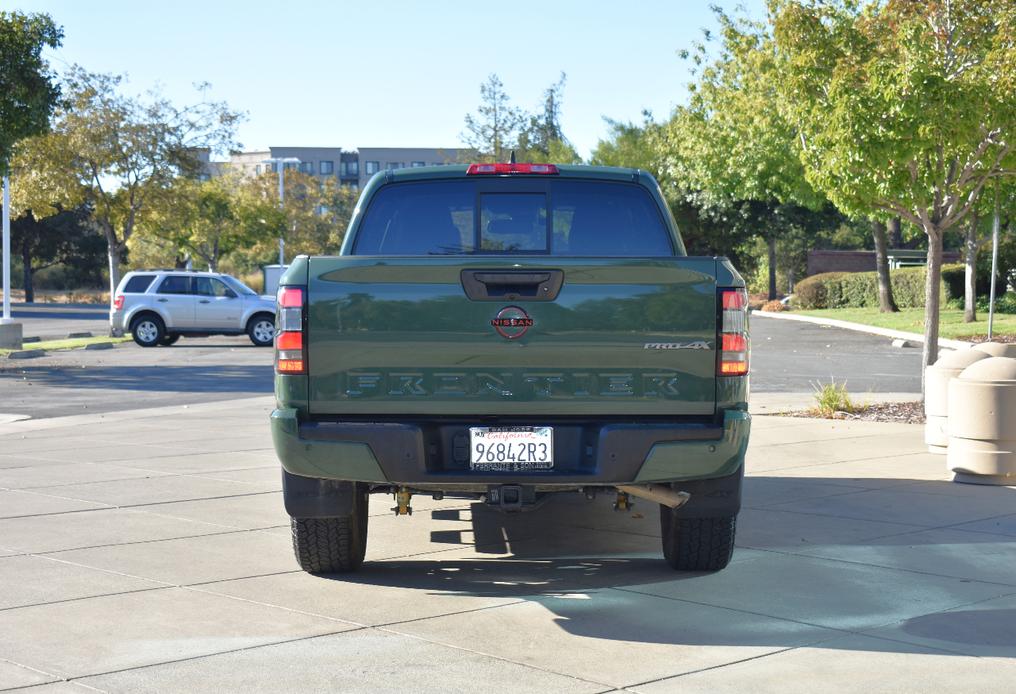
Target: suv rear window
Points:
x,y
514,216
138,284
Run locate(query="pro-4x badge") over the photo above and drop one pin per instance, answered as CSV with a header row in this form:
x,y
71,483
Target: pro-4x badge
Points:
x,y
697,344
511,322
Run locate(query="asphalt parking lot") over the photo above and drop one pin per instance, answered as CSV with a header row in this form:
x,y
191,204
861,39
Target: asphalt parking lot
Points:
x,y
149,551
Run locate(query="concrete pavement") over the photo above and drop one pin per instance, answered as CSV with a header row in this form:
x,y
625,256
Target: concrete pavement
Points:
x,y
149,551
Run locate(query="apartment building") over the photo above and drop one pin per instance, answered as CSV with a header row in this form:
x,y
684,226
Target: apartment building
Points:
x,y
351,167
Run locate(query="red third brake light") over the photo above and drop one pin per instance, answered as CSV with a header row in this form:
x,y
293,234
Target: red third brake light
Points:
x,y
502,168
733,359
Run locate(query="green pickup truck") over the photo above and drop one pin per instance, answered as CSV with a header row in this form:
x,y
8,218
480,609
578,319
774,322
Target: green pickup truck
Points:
x,y
504,333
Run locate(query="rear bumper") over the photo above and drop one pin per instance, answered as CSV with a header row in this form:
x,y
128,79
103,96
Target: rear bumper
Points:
x,y
585,453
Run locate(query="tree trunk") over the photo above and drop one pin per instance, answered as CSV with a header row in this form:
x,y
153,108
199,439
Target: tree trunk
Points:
x,y
113,248
886,302
26,264
970,274
895,233
772,267
932,295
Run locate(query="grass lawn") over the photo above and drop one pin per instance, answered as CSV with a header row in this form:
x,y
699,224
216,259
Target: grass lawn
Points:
x,y
73,343
912,320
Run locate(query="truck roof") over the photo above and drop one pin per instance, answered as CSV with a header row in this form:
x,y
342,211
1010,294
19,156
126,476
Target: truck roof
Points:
x,y
607,173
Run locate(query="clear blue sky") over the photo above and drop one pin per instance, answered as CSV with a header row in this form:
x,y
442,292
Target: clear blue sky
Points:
x,y
390,73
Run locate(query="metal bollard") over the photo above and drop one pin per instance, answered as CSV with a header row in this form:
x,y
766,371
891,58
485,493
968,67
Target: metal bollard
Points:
x,y
982,423
936,395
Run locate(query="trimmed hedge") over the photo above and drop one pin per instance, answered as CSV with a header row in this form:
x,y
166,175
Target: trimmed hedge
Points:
x,y
860,289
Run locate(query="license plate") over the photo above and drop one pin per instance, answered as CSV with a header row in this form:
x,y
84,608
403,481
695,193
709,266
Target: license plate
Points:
x,y
511,448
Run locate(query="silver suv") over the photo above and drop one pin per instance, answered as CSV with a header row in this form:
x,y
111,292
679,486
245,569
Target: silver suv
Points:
x,y
158,306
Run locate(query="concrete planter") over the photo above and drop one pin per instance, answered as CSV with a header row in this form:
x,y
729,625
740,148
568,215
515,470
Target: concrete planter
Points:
x,y
936,394
982,423
997,349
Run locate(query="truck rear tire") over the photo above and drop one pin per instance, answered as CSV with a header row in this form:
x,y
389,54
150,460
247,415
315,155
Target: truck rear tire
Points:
x,y
697,544
333,545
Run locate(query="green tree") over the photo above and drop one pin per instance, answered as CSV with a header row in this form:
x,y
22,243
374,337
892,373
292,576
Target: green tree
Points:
x,y
543,139
902,108
28,93
199,219
494,130
731,147
66,237
118,154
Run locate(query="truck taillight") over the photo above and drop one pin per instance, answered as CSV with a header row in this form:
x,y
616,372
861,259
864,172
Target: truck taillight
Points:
x,y
118,302
734,345
290,350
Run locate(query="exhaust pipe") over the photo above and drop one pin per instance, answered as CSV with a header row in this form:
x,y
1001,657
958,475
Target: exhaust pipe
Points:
x,y
656,492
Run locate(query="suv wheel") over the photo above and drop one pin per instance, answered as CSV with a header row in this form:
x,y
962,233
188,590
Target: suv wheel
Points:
x,y
148,330
261,330
697,544
333,545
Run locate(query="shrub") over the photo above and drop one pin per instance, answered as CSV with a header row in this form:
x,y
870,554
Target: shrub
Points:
x,y
832,397
757,301
1006,303
813,292
774,306
859,289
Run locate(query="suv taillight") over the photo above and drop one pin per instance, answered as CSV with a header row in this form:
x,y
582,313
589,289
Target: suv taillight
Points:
x,y
290,348
118,302
733,359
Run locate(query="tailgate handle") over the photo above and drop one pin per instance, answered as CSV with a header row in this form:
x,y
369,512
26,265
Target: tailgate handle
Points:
x,y
510,285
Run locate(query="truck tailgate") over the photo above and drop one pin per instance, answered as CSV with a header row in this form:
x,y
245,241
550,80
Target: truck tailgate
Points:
x,y
400,336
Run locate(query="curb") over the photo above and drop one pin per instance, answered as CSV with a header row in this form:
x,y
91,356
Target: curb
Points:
x,y
27,354
862,328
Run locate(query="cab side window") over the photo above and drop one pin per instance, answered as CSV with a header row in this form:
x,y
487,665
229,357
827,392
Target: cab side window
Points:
x,y
175,284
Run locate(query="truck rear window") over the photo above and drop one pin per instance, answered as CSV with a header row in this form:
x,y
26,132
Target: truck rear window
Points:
x,y
514,216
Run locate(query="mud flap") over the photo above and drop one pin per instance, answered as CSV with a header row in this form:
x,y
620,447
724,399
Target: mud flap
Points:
x,y
712,498
307,497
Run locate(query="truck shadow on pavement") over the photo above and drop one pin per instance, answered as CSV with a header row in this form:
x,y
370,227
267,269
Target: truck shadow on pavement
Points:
x,y
807,571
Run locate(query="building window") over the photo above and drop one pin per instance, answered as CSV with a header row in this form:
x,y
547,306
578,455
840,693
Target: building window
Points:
x,y
257,170
289,166
327,168
418,164
372,167
307,167
350,168
393,165
273,167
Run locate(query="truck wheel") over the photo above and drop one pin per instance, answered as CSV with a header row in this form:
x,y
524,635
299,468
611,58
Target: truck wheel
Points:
x,y
332,545
697,544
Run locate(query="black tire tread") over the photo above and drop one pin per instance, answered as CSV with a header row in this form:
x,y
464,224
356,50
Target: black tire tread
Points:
x,y
331,545
697,544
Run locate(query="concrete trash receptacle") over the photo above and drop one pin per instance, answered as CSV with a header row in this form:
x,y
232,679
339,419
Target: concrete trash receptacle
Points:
x,y
936,394
982,423
997,349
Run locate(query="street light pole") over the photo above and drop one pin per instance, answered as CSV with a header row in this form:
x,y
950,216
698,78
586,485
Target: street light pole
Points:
x,y
7,250
280,164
